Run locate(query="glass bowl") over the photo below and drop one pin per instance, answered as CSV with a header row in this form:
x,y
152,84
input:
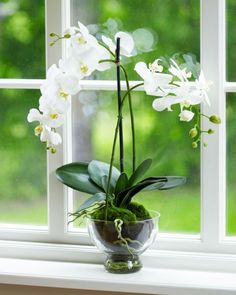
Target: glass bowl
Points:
x,y
123,242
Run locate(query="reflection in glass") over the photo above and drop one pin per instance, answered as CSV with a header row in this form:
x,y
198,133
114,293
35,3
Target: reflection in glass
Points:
x,y
23,162
231,164
22,39
160,136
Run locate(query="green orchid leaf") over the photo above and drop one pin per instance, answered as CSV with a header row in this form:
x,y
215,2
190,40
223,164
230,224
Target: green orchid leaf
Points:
x,y
121,183
124,198
173,181
97,170
140,171
75,175
104,182
90,202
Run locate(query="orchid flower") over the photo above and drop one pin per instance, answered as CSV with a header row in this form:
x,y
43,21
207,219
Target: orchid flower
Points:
x,y
126,43
175,70
156,84
85,55
46,133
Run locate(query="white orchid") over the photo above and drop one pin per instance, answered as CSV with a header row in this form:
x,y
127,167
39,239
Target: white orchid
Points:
x,y
60,83
175,70
203,86
157,84
85,55
51,137
50,118
82,40
126,43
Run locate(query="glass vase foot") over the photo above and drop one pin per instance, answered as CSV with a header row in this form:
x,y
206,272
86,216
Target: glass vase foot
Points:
x,y
122,263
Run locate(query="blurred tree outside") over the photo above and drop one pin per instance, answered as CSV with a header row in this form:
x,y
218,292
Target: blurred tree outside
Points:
x,y
23,159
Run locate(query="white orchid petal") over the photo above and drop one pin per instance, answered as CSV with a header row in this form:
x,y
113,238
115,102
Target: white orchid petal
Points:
x,y
83,29
126,43
143,71
161,104
55,138
186,116
34,115
107,41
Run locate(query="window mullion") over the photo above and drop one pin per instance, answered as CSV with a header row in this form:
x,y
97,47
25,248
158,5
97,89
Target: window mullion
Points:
x,y
213,157
56,15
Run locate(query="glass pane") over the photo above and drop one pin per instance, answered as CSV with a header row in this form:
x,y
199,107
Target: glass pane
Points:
x,y
231,164
23,161
160,136
231,40
22,39
158,27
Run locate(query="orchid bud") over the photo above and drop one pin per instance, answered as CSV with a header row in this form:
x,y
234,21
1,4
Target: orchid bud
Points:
x,y
215,119
194,145
52,34
193,132
210,131
67,36
53,151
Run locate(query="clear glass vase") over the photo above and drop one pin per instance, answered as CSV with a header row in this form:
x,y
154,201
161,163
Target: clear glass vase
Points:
x,y
123,242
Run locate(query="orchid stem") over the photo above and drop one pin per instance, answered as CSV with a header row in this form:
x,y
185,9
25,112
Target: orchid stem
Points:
x,y
114,144
121,139
131,120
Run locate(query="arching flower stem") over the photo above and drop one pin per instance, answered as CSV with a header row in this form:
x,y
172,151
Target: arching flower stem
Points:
x,y
114,143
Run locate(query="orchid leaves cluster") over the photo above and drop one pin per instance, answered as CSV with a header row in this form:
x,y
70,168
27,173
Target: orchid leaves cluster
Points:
x,y
92,178
85,55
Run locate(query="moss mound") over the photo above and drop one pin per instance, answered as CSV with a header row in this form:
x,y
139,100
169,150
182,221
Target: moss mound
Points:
x,y
139,210
114,213
133,212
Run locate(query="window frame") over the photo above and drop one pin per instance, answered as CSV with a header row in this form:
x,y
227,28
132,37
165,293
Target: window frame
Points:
x,y
212,238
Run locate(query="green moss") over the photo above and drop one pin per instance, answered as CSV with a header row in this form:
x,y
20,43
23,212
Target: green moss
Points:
x,y
114,213
139,210
133,212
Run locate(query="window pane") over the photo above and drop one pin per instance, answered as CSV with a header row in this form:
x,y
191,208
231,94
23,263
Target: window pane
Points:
x,y
231,40
22,39
231,164
23,161
158,27
160,136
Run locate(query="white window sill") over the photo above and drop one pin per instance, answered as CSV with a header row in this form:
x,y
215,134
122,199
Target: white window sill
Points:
x,y
94,277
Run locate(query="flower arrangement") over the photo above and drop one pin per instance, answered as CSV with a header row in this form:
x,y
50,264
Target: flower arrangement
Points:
x,y
111,189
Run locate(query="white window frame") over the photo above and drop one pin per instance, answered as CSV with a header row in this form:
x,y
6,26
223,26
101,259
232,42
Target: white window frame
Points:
x,y
213,161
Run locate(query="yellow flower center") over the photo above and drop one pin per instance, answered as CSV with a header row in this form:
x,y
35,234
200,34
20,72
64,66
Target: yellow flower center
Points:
x,y
53,116
63,94
84,68
81,40
38,130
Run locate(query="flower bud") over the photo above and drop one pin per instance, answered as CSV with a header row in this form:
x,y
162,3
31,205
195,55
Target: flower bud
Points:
x,y
53,151
205,144
193,132
215,119
67,36
52,34
210,131
51,43
194,145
